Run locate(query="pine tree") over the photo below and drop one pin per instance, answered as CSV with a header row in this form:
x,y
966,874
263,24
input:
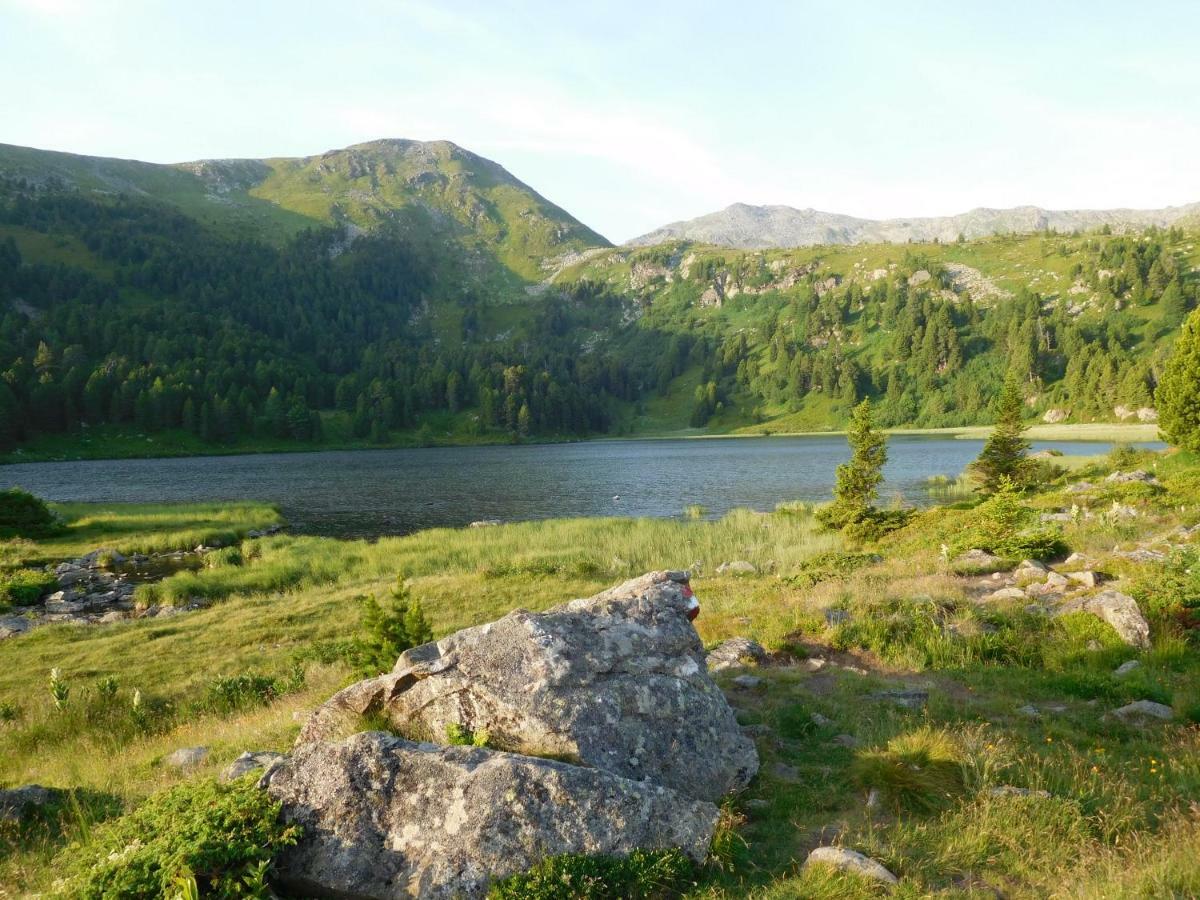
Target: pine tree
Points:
x,y
389,629
1003,456
858,480
1178,393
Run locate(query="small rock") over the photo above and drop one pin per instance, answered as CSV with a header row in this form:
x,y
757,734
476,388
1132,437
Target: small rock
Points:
x,y
11,626
845,740
1077,559
1143,710
1008,790
111,616
251,761
1030,710
757,803
813,664
836,617
16,803
1080,487
1008,593
821,721
786,772
1126,667
735,653
909,699
1137,475
747,682
737,567
851,861
186,757
1056,581
1087,578
484,523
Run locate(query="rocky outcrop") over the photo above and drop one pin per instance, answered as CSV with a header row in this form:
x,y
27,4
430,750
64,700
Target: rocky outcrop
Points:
x,y
616,682
388,818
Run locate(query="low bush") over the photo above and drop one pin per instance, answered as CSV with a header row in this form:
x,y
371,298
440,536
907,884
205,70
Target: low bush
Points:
x,y
221,836
388,630
22,515
231,693
24,587
642,875
826,566
1003,525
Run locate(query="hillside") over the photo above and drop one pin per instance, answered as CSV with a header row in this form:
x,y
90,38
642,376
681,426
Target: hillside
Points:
x,y
758,227
405,293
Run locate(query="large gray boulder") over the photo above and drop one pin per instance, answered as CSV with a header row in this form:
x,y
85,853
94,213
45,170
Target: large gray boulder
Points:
x,y
617,682
388,818
1118,610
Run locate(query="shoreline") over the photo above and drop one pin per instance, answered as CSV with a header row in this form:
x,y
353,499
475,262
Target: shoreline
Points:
x,y
1092,432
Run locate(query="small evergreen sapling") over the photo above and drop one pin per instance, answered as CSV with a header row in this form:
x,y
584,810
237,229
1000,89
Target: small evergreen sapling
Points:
x,y
857,482
1003,456
389,629
1178,393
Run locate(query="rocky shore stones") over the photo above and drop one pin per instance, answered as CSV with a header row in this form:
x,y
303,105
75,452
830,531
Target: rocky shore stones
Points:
x,y
616,682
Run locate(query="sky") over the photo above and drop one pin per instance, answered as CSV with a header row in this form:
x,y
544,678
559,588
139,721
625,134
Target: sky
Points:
x,y
634,114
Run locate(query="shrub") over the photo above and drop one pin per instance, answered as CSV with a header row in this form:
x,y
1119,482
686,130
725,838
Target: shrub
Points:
x,y
834,564
223,836
389,631
643,874
231,693
1002,525
919,771
25,586
24,515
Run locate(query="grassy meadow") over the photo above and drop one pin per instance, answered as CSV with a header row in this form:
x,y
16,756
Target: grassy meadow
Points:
x,y
947,795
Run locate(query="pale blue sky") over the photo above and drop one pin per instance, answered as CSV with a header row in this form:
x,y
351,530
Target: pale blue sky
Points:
x,y
631,115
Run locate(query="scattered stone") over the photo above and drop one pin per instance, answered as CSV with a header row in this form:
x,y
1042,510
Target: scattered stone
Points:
x,y
1077,559
1057,517
909,699
851,861
1122,511
484,523
747,682
738,652
1054,416
383,817
813,664
821,721
1030,710
786,772
1118,610
1137,475
1087,578
186,757
251,761
16,803
845,740
616,677
977,560
1141,555
1007,593
737,567
1056,581
115,615
1008,790
1144,710
835,617
11,626
1126,667
758,803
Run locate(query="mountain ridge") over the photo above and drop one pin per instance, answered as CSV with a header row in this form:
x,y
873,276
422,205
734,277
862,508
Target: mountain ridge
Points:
x,y
749,227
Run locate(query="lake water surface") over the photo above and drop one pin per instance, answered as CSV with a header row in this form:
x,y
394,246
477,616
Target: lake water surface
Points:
x,y
372,492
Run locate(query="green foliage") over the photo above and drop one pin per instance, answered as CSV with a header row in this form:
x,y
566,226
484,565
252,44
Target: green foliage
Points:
x,y
24,587
460,736
643,875
1178,391
1003,456
388,630
231,693
1003,525
920,771
222,836
834,564
23,515
857,481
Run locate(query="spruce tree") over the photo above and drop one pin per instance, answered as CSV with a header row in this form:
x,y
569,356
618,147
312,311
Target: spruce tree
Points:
x,y
1178,393
857,481
1003,456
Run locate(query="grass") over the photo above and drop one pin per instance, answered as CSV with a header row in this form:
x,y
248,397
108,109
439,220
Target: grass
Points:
x,y
1114,821
152,527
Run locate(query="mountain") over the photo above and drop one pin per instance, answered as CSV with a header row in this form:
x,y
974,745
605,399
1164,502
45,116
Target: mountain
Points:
x,y
423,186
759,227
